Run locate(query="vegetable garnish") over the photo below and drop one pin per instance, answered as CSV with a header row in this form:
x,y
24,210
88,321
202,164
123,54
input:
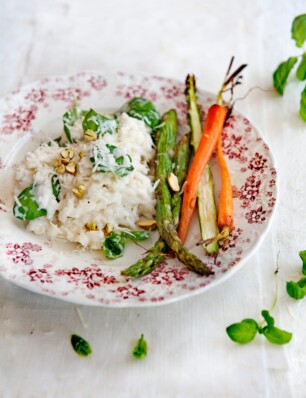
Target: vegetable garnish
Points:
x,y
99,124
297,290
114,244
282,72
142,109
56,186
245,331
26,207
206,197
69,119
108,158
141,349
80,345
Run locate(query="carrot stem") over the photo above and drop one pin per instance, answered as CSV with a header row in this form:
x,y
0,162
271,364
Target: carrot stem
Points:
x,y
212,131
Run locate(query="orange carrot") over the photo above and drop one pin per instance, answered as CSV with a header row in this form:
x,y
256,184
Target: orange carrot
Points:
x,y
212,131
225,213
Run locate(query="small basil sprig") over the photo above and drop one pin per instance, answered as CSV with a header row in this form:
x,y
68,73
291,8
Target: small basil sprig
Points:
x,y
282,72
26,207
80,345
100,124
245,331
69,119
56,186
114,244
141,349
111,160
297,290
142,109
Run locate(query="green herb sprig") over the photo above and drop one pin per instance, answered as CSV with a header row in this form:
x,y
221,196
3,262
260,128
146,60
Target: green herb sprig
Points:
x,y
282,72
246,330
141,349
114,244
80,346
297,290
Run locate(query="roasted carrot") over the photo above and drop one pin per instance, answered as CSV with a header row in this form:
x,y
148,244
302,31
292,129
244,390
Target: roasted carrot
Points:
x,y
225,211
212,131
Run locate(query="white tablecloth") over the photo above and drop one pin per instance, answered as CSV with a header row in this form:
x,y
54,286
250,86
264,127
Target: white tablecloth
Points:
x,y
189,352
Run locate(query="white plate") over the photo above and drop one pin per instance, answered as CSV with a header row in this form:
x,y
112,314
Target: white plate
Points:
x,y
62,270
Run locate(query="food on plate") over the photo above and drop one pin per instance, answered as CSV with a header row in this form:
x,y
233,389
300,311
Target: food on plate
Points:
x,y
94,178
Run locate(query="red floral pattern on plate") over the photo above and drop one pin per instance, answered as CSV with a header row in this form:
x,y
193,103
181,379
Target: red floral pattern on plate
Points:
x,y
57,269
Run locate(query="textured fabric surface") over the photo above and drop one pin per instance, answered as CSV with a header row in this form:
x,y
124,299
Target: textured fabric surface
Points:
x,y
189,352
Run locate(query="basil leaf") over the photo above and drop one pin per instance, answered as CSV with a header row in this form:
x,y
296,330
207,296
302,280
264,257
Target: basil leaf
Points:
x,y
141,349
69,118
114,244
276,336
281,74
109,159
56,186
298,30
80,345
303,105
137,235
142,109
26,207
302,254
268,318
100,124
243,332
297,290
301,70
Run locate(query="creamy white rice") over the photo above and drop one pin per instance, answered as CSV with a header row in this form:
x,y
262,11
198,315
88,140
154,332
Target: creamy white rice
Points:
x,y
108,199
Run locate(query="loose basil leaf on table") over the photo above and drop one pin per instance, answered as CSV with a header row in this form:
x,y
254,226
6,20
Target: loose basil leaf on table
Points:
x,y
26,207
142,109
56,186
114,244
111,160
276,336
301,70
302,255
100,124
141,349
242,332
297,290
80,345
281,74
69,119
303,105
298,30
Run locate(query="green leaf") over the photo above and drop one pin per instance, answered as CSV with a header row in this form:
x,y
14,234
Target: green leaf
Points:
x,y
303,105
141,349
100,124
142,109
268,318
80,345
276,336
302,254
297,290
281,74
114,244
108,158
243,332
56,186
298,30
301,70
26,207
69,118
